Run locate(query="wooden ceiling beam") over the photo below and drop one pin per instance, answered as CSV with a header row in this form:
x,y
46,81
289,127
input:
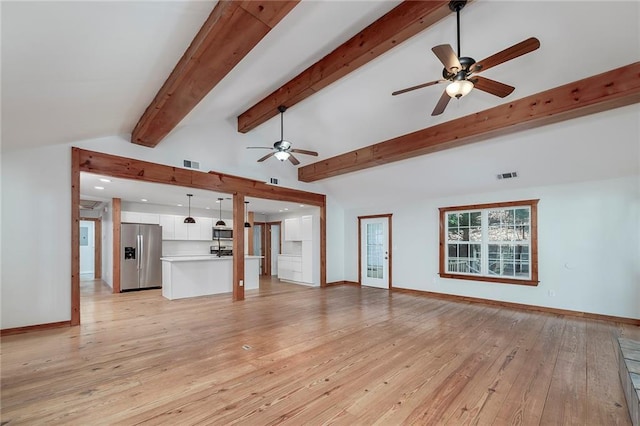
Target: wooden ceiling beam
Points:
x,y
404,21
130,168
230,32
602,92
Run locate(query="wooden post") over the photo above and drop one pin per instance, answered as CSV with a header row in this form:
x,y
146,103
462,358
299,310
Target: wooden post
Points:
x,y
238,247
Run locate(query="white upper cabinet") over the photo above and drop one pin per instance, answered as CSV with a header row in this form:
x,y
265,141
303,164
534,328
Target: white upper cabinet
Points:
x,y
292,229
206,228
168,227
135,217
306,233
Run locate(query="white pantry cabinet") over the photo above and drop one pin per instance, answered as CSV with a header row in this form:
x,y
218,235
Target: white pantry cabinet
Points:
x,y
292,229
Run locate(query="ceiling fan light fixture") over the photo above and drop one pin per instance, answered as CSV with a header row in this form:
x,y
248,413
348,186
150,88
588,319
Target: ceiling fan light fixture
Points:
x,y
459,88
282,155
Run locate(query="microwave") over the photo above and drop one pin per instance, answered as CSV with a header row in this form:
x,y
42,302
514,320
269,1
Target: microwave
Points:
x,y
223,233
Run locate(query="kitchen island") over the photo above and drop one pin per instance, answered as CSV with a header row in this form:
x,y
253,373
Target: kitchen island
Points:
x,y
202,275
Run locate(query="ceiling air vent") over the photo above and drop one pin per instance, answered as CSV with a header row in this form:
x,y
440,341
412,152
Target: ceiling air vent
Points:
x,y
191,164
508,175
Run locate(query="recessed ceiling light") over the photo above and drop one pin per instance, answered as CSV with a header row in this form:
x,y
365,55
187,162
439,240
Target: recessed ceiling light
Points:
x,y
217,201
285,209
179,205
99,187
301,205
208,208
280,210
105,180
143,199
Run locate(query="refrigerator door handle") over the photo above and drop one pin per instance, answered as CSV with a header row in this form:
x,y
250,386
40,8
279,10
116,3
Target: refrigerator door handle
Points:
x,y
139,253
141,245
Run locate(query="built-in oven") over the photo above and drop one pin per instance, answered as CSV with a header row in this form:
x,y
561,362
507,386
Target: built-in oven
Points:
x,y
222,233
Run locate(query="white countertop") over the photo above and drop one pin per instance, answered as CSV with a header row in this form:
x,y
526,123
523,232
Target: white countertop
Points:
x,y
193,258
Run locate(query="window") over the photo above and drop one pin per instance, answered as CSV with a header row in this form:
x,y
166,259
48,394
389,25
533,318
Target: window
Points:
x,y
490,242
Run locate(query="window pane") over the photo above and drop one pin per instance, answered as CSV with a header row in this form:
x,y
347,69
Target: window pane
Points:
x,y
464,219
475,233
468,259
475,218
454,235
374,250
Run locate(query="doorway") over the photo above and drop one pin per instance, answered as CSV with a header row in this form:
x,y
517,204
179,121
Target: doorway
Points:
x,y
374,251
90,248
267,243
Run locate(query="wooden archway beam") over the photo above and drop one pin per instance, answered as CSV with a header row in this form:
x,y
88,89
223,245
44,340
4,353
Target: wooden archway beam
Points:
x,y
402,22
602,92
231,31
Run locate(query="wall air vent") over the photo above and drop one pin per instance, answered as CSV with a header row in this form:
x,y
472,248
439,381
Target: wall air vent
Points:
x,y
273,181
192,164
508,175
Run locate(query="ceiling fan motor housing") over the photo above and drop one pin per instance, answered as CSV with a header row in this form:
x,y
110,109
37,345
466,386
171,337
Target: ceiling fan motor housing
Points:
x,y
466,63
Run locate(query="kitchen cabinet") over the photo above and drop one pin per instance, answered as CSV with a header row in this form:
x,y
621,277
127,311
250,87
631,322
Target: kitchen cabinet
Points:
x,y
199,231
306,262
206,228
168,227
306,228
292,229
135,217
290,267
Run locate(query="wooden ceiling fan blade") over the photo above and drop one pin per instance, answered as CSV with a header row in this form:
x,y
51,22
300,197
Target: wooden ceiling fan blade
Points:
x,y
442,104
519,49
259,147
269,155
304,151
491,86
419,86
448,57
293,160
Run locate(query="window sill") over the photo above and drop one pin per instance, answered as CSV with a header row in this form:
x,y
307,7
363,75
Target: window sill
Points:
x,y
497,280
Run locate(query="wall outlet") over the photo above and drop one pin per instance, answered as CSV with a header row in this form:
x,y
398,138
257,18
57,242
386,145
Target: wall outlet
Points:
x,y
241,283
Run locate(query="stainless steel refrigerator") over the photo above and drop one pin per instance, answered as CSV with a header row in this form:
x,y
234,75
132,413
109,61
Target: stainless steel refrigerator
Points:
x,y
140,251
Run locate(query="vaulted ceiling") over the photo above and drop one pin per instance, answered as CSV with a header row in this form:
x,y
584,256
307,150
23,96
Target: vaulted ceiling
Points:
x,y
84,73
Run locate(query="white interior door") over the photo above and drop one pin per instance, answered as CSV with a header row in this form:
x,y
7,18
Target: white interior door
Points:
x,y
374,252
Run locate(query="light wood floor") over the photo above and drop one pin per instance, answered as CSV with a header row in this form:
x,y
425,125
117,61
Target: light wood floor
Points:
x,y
343,355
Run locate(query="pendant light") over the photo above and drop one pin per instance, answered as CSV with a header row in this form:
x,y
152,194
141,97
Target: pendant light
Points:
x,y
246,215
189,219
220,222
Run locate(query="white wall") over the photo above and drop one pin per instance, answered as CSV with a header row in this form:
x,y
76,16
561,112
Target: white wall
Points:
x,y
36,236
588,243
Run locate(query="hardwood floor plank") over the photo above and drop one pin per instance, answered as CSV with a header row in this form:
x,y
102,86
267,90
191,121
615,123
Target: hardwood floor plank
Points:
x,y
566,398
341,355
604,398
525,400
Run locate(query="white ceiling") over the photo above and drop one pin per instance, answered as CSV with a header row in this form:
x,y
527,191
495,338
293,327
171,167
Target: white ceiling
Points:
x,y
74,71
